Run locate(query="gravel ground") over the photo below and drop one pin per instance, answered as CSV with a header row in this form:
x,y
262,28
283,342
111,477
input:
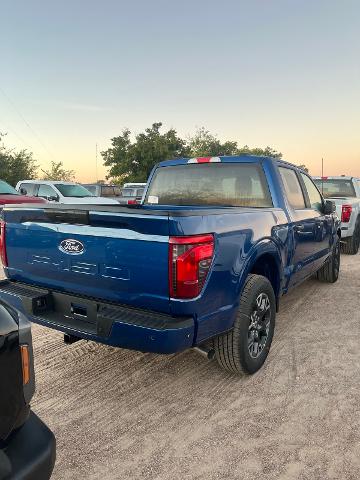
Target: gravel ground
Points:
x,y
119,414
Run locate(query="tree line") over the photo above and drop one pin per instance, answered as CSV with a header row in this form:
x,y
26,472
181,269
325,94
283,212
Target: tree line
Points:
x,y
130,157
132,160
16,165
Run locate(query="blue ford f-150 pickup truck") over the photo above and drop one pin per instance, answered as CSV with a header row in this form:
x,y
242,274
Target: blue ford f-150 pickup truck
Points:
x,y
203,260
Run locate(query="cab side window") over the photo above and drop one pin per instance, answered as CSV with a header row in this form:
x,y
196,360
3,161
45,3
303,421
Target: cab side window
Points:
x,y
293,189
316,201
46,191
91,188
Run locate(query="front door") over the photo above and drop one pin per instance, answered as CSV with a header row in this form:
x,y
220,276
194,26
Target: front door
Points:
x,y
323,224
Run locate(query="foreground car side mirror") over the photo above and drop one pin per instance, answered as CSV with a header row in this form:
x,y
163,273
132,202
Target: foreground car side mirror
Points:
x,y
53,198
329,207
23,191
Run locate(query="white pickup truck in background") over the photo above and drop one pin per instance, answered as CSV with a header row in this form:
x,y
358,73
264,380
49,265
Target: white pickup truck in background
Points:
x,y
345,192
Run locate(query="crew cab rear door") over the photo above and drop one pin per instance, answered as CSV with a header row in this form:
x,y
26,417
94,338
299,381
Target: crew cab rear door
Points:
x,y
309,228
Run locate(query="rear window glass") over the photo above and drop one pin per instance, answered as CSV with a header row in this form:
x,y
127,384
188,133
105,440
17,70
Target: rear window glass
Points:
x,y
128,192
336,188
29,187
107,191
228,184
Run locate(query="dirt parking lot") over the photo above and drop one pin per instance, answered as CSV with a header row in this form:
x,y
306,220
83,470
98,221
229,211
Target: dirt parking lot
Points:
x,y
119,414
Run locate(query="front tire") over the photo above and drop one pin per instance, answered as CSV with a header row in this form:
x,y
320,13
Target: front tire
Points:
x,y
244,349
329,272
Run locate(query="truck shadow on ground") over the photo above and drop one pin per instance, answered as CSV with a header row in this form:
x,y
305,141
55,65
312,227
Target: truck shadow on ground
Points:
x,y
181,416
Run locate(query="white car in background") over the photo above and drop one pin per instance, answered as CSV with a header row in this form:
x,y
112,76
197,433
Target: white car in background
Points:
x,y
61,192
132,193
345,192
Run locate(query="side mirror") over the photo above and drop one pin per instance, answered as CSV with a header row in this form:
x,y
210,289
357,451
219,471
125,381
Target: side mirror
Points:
x,y
53,198
329,207
23,191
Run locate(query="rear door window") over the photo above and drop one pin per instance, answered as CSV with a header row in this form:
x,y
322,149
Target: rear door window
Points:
x,y
292,187
129,192
222,184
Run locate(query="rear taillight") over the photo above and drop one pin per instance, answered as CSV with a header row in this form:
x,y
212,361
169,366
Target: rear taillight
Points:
x,y
346,213
132,202
189,263
3,256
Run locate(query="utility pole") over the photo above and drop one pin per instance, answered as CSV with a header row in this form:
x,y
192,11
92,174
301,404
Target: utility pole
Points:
x,y
322,176
96,163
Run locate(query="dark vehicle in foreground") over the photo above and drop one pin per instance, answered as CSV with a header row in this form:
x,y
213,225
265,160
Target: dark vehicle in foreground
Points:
x,y
202,262
8,195
102,190
27,446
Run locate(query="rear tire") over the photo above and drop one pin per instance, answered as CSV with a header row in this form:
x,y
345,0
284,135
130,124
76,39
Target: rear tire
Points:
x,y
329,272
244,349
351,245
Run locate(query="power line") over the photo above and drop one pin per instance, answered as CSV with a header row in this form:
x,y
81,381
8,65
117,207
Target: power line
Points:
x,y
27,124
11,130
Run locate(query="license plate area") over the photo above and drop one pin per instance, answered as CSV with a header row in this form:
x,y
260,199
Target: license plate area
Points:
x,y
75,312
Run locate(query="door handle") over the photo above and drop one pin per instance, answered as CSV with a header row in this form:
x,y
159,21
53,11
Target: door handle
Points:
x,y
299,228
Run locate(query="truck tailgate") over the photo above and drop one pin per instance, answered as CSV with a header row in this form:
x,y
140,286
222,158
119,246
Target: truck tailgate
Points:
x,y
118,257
339,202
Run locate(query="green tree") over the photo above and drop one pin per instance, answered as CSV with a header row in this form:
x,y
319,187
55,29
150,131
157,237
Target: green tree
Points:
x,y
58,172
16,165
204,144
133,161
261,152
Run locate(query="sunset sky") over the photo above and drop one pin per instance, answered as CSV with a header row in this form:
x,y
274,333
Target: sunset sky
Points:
x,y
282,73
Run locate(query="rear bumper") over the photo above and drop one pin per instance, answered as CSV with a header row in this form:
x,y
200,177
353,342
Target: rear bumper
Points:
x,y
347,230
90,319
29,452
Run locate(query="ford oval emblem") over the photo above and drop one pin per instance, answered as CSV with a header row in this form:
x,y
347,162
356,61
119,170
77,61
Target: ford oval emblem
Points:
x,y
72,247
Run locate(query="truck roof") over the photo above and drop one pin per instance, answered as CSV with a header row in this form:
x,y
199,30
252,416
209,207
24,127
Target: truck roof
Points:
x,y
97,184
336,177
226,159
49,182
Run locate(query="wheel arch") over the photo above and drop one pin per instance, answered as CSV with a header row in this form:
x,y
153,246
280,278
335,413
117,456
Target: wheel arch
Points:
x,y
266,260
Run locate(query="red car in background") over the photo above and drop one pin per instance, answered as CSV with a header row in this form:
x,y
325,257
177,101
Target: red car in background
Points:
x,y
8,195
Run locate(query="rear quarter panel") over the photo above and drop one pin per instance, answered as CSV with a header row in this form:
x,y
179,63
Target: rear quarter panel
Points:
x,y
240,238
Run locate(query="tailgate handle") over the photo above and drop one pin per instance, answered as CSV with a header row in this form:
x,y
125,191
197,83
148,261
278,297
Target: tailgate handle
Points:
x,y
79,310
